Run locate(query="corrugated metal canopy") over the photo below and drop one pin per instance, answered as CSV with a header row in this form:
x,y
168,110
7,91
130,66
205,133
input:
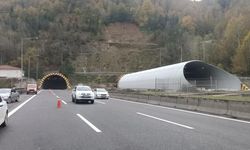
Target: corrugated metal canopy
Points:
x,y
178,76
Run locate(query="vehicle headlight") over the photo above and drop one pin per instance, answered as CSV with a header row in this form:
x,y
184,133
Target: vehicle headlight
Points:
x,y
78,95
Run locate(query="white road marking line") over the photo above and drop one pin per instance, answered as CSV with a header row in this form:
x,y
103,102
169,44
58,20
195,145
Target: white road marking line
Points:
x,y
21,105
89,123
53,93
58,97
167,121
64,102
100,102
187,111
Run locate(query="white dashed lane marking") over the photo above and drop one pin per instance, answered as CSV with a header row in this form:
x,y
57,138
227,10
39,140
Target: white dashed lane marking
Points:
x,y
166,121
89,123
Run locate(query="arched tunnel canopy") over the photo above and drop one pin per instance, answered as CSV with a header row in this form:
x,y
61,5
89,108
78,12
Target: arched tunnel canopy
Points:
x,y
207,76
54,81
180,76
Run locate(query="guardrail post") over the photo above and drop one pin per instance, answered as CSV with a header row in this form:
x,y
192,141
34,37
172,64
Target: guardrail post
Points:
x,y
227,112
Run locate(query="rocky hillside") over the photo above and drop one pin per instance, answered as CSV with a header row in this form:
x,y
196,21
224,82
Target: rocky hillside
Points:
x,y
124,48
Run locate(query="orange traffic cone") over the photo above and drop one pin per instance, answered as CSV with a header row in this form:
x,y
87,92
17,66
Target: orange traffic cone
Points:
x,y
59,103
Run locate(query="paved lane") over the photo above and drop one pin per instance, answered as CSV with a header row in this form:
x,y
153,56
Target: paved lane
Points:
x,y
22,98
209,132
116,125
39,125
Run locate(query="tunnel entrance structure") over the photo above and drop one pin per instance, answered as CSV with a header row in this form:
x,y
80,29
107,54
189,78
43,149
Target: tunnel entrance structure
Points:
x,y
54,81
181,76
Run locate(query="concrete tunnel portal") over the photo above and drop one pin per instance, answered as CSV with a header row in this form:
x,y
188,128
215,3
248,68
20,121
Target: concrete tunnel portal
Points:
x,y
54,81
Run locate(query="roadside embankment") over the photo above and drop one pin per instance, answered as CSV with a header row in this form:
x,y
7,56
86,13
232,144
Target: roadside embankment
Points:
x,y
231,108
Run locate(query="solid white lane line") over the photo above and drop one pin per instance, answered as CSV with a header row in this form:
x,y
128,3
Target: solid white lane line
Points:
x,y
21,105
167,121
89,123
186,111
100,102
64,102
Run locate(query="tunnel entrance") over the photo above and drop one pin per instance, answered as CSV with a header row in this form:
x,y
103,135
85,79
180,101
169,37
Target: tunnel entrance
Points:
x,y
199,74
54,81
206,76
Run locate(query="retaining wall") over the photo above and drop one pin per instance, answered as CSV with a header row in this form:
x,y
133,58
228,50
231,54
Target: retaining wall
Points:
x,y
235,109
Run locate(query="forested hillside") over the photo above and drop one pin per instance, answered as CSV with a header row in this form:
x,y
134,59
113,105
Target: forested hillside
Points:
x,y
124,35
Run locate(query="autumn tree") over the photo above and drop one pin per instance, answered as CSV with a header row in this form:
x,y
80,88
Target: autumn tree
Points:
x,y
144,12
241,61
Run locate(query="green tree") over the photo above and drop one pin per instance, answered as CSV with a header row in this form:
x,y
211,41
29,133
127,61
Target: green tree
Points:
x,y
234,32
144,12
30,59
67,69
120,13
241,61
188,23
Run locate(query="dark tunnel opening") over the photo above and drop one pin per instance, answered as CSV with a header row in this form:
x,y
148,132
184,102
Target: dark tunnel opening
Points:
x,y
54,82
201,74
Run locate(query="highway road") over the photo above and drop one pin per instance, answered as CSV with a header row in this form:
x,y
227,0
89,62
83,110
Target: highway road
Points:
x,y
35,123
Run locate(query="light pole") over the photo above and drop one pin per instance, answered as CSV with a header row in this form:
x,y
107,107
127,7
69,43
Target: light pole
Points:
x,y
22,55
181,54
160,57
29,68
22,42
4,51
203,48
36,66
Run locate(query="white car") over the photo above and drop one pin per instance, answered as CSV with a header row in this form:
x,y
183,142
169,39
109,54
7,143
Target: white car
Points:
x,y
101,93
31,88
83,93
3,113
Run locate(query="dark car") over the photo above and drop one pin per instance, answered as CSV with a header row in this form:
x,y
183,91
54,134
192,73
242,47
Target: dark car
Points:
x,y
9,95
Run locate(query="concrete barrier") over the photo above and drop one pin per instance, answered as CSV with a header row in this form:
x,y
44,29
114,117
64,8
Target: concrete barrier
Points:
x,y
236,109
155,100
182,103
193,103
168,101
213,106
239,109
187,103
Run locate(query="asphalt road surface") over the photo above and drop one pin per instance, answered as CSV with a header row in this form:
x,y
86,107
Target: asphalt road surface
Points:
x,y
35,123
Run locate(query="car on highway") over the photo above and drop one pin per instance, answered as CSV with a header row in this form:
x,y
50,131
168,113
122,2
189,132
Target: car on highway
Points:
x,y
101,93
31,88
3,113
9,95
83,93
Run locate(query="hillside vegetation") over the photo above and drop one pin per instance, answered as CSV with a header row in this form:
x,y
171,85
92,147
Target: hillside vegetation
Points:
x,y
124,35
